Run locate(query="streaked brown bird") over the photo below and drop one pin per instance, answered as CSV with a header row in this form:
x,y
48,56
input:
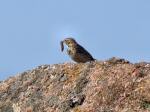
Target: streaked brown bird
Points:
x,y
76,51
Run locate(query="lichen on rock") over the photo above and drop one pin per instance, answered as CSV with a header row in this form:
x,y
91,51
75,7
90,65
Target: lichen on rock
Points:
x,y
114,85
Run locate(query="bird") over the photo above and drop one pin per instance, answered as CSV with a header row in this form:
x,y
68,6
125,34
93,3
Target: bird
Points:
x,y
77,53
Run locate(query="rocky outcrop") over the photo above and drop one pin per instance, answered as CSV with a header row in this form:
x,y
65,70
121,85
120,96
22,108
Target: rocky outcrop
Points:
x,y
114,85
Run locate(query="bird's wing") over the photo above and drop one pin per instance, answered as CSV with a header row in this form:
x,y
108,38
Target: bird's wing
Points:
x,y
83,51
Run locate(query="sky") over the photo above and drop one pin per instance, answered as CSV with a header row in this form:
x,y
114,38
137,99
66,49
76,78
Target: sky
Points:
x,y
31,30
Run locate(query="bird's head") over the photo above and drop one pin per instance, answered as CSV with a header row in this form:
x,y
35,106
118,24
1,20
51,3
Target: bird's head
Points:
x,y
70,42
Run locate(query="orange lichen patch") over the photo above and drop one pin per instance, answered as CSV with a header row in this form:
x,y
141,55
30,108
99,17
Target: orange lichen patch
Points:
x,y
77,110
73,72
29,109
143,88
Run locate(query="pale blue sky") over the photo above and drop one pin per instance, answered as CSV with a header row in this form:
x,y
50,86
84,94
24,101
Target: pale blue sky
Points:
x,y
30,31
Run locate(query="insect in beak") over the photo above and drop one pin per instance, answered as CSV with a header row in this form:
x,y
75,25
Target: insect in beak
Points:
x,y
62,45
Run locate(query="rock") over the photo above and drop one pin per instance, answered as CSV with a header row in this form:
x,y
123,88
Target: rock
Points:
x,y
115,85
